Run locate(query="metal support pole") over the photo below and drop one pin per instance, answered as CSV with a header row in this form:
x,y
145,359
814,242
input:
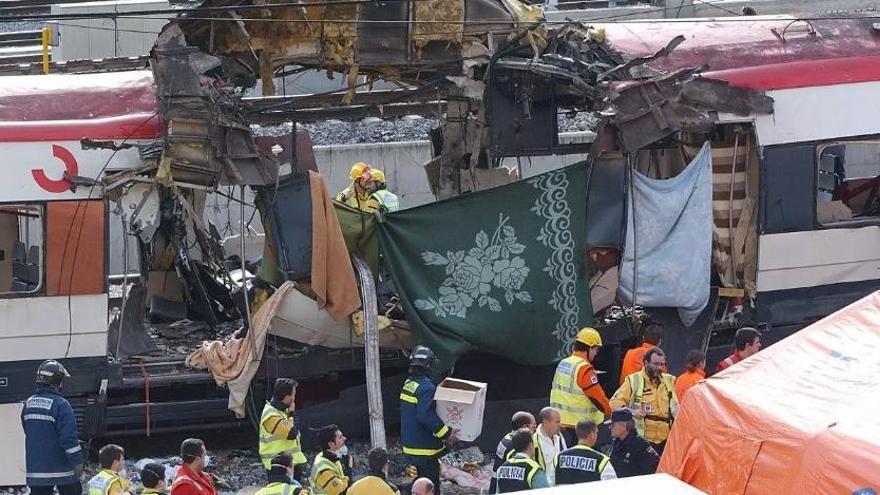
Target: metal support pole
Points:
x,y
371,348
46,39
244,292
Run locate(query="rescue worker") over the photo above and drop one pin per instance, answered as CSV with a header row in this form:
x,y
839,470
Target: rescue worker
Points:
x,y
631,454
747,341
279,431
520,472
53,455
191,478
581,463
576,392
108,481
376,481
362,193
153,479
632,361
548,440
650,396
520,420
329,476
281,480
423,436
694,371
422,486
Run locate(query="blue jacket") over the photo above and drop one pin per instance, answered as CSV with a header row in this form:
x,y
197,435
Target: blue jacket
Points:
x,y
52,448
421,430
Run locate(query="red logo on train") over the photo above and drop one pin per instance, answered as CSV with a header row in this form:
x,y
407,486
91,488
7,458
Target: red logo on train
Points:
x,y
70,168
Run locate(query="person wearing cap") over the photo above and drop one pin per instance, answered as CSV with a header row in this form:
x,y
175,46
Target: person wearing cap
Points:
x,y
650,395
53,455
520,472
423,436
748,342
281,480
376,482
368,190
575,391
279,431
631,454
153,479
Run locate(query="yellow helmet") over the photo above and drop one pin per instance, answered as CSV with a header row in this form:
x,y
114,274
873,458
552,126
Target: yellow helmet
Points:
x,y
357,170
377,175
589,336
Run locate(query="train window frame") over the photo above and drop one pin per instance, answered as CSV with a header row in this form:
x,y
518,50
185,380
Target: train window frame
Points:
x,y
821,173
37,233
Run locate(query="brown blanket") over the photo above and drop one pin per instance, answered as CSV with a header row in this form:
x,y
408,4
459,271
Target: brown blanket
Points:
x,y
333,280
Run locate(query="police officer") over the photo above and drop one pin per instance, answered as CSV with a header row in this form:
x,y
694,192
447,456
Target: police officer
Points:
x,y
631,454
109,480
422,433
581,463
520,472
519,420
53,454
279,431
281,480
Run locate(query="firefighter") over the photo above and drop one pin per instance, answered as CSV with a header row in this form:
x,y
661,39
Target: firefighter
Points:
x,y
109,481
368,191
54,457
520,472
581,463
281,482
519,420
153,479
191,478
279,431
631,454
376,482
576,392
650,396
330,475
423,436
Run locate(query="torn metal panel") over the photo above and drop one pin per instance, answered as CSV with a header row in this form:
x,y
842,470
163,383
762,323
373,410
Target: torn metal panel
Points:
x,y
383,43
722,97
437,20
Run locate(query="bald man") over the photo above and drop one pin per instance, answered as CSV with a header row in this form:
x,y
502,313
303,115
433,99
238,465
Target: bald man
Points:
x,y
422,486
548,440
519,420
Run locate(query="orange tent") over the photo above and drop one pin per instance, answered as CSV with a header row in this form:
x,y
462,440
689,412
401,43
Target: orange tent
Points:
x,y
800,417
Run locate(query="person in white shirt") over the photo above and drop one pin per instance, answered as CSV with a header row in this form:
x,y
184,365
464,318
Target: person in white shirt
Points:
x,y
548,440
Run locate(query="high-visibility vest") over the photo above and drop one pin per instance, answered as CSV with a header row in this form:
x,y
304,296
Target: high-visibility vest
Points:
x,y
568,397
320,465
635,400
100,483
579,464
387,199
516,474
271,444
279,488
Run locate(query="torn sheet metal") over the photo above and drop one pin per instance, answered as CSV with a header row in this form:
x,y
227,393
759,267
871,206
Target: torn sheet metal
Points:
x,y
437,20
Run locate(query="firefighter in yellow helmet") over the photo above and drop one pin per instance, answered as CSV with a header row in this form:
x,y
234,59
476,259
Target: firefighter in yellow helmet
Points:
x,y
367,191
576,392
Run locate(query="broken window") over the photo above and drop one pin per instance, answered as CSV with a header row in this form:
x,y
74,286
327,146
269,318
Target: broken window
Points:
x,y
21,248
848,182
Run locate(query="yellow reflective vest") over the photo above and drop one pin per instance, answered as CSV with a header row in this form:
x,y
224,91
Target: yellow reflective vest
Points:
x,y
271,444
568,397
101,482
320,465
279,488
661,408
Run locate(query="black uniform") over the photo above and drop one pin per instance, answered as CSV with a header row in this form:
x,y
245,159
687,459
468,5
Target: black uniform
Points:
x,y
516,475
633,456
579,464
502,452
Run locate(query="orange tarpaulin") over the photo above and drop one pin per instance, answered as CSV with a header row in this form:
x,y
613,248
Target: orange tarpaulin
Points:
x,y
800,417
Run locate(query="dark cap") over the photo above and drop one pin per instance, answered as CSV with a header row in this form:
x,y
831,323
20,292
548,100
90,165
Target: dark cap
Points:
x,y
621,415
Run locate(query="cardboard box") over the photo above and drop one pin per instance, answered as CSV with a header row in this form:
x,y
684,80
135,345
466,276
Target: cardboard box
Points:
x,y
460,404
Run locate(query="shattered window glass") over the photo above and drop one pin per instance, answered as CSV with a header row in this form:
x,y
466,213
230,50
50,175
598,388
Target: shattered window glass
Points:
x,y
21,248
848,182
